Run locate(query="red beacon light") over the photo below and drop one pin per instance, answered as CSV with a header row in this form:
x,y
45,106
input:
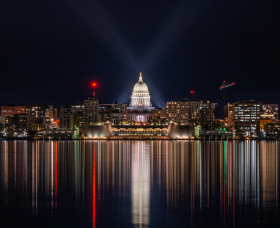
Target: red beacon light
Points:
x,y
192,93
93,85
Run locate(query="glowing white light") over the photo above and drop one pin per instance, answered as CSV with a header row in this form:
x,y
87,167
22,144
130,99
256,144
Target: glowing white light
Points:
x,y
140,184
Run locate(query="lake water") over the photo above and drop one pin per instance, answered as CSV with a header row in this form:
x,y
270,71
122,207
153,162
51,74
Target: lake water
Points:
x,y
139,183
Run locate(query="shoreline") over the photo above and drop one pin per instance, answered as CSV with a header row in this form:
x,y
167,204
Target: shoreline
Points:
x,y
22,139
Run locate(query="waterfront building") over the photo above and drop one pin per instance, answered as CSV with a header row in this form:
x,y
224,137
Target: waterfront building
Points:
x,y
215,124
19,125
208,111
58,134
158,114
217,134
272,129
264,122
172,130
184,111
71,115
114,113
66,121
36,123
33,110
12,109
16,125
229,110
246,118
91,111
40,110
140,107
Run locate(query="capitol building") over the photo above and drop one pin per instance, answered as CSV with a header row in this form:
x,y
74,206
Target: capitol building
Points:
x,y
140,107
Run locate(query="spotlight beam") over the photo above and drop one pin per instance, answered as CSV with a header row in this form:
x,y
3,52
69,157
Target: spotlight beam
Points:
x,y
95,16
173,29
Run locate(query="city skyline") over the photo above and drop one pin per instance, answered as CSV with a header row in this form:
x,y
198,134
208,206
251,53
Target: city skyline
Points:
x,y
179,119
139,113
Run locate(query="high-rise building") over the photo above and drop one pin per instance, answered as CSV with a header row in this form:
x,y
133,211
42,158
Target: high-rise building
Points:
x,y
229,110
182,111
91,111
208,111
114,113
40,110
66,121
246,118
190,111
12,109
71,115
33,110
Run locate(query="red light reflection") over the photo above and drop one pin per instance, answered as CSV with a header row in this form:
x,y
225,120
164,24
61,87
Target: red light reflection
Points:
x,y
93,187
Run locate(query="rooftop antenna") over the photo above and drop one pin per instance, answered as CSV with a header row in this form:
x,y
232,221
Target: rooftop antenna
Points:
x,y
192,93
93,85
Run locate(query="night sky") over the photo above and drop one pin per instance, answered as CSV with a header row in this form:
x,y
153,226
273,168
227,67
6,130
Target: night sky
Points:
x,y
54,49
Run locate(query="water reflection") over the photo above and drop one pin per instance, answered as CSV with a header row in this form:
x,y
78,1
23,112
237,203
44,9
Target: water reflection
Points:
x,y
140,183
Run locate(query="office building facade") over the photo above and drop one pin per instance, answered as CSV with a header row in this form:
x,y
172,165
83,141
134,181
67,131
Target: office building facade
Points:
x,y
16,125
71,115
115,113
246,118
91,111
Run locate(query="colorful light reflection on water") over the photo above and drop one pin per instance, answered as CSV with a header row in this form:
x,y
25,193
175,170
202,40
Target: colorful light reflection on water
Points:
x,y
139,183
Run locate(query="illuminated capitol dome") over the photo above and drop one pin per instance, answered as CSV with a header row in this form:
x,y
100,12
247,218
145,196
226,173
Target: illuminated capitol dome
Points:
x,y
140,98
140,108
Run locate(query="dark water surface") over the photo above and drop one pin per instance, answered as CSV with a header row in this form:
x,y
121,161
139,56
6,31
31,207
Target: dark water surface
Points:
x,y
139,184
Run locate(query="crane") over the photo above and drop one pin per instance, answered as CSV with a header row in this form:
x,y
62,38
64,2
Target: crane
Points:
x,y
223,87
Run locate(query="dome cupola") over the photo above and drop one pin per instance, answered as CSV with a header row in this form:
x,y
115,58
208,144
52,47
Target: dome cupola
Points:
x,y
140,87
140,94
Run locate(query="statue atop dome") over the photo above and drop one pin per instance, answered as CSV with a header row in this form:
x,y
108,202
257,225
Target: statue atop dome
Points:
x,y
140,77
